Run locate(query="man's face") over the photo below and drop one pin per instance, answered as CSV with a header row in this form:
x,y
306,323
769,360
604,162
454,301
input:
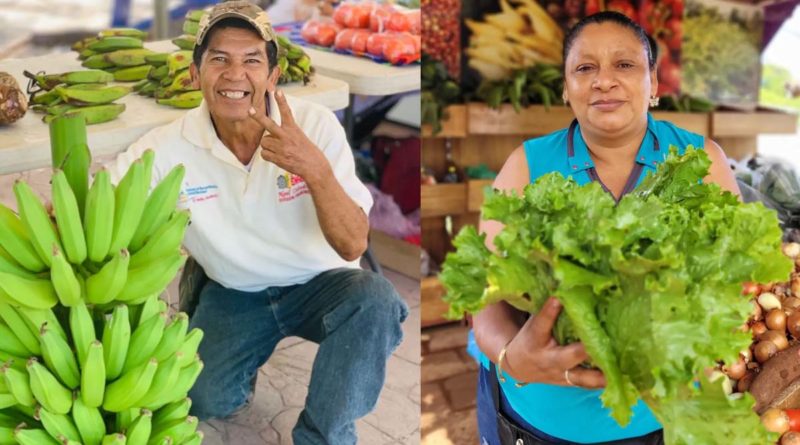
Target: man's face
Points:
x,y
234,74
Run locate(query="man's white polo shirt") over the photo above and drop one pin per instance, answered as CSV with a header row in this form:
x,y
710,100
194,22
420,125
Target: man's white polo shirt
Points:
x,y
250,229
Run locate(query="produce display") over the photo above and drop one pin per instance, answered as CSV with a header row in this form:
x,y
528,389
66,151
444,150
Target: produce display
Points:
x,y
684,103
442,37
88,353
538,84
650,285
366,29
663,20
438,91
76,93
13,103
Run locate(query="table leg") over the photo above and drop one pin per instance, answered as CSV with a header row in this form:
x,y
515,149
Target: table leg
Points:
x,y
349,120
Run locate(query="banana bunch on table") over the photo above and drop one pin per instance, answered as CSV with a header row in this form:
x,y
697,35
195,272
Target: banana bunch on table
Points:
x,y
119,51
88,353
294,62
85,93
517,37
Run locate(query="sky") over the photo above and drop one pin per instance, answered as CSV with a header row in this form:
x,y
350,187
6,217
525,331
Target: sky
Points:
x,y
784,49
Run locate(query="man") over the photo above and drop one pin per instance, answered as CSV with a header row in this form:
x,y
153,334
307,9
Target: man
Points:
x,y
279,221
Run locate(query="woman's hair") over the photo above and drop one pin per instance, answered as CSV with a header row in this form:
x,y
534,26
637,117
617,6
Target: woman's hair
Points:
x,y
614,17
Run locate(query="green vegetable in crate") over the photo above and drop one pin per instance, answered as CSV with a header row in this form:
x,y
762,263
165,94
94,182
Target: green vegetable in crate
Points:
x,y
634,278
13,103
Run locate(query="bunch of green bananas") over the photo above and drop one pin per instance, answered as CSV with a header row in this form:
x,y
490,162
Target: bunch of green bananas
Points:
x,y
119,51
84,93
538,84
87,354
294,62
438,91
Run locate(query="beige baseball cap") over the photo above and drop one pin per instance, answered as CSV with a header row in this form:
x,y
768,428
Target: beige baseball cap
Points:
x,y
241,9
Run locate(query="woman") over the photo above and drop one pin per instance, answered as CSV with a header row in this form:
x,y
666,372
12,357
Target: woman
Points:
x,y
609,82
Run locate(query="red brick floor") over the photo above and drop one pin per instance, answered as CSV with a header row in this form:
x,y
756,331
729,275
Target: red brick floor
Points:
x,y
449,379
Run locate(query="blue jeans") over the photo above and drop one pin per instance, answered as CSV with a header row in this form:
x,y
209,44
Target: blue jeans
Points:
x,y
354,315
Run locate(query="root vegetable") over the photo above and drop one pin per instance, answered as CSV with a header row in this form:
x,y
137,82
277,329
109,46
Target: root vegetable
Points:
x,y
750,288
764,350
793,324
746,355
757,313
759,328
13,103
795,286
776,320
737,370
790,438
744,383
775,420
776,337
792,250
791,303
769,301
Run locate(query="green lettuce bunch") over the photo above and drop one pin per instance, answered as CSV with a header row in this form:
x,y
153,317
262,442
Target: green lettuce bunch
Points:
x,y
651,286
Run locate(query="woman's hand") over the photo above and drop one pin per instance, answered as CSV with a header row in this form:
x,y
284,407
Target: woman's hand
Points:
x,y
534,356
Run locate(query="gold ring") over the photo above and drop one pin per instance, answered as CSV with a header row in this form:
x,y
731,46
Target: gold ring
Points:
x,y
566,377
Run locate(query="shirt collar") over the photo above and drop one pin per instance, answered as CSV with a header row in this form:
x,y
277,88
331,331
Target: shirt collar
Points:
x,y
580,160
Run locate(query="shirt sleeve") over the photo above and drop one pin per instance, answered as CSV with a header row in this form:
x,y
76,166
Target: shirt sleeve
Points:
x,y
339,154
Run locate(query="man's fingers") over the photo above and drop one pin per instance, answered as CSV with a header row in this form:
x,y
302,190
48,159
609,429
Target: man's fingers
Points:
x,y
286,113
265,121
587,378
570,355
541,325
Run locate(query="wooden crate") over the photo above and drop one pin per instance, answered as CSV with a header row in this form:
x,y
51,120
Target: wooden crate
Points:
x,y
395,254
699,123
475,193
454,126
443,199
532,120
751,124
433,307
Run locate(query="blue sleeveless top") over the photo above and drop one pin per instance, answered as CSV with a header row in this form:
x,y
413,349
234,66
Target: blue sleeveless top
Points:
x,y
571,413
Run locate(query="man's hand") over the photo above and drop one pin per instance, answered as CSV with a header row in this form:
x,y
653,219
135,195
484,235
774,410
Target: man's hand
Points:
x,y
288,147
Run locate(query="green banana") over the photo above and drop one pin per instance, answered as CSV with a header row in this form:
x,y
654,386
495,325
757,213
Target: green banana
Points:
x,y
195,438
190,27
93,377
149,308
190,345
65,441
128,57
64,280
7,400
26,436
33,293
176,410
130,387
130,198
294,53
50,81
82,96
104,286
144,341
47,98
159,206
7,435
159,73
140,84
116,340
283,64
89,422
97,61
151,278
82,330
296,73
10,265
99,216
173,338
114,43
125,418
163,93
10,343
68,217
14,239
186,379
165,378
177,429
185,42
165,240
114,439
139,430
83,43
149,89
36,318
18,325
132,74
36,220
147,158
194,15
59,357
58,424
76,168
178,61
181,82
47,390
86,53
156,59
96,114
284,42
18,384
58,110
190,99
165,82
304,63
123,32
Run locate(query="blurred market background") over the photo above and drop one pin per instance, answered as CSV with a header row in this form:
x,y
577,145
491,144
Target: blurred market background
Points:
x,y
727,69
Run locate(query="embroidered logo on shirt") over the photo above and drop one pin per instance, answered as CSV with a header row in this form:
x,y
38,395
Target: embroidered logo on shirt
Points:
x,y
199,194
291,186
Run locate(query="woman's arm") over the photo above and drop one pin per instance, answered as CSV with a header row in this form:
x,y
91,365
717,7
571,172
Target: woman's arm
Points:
x,y
720,172
532,354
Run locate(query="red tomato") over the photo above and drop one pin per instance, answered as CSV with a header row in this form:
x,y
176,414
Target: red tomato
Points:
x,y
622,6
326,33
669,76
344,40
399,22
359,41
343,13
375,44
415,18
400,49
309,31
379,18
360,16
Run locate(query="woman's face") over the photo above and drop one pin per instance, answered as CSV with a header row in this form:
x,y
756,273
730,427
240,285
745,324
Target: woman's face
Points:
x,y
608,81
